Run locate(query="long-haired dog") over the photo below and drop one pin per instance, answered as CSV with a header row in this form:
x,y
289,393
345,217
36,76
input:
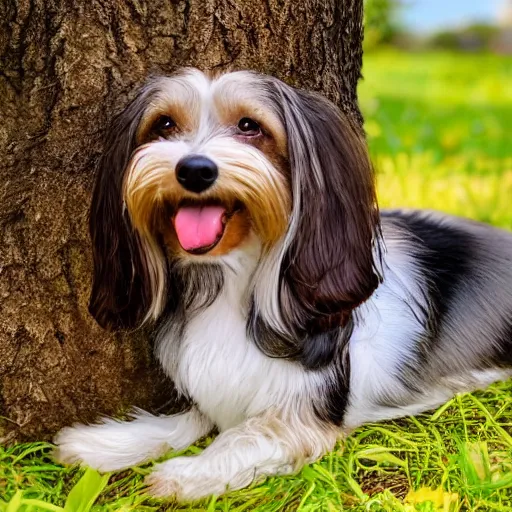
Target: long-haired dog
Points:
x,y
239,215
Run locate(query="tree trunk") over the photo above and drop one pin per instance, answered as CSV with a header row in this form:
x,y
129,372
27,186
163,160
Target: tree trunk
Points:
x,y
65,67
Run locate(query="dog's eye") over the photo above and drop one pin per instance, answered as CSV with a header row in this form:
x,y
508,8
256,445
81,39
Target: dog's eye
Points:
x,y
164,125
248,126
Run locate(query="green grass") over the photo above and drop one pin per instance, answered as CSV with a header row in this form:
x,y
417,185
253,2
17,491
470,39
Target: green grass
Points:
x,y
438,126
439,129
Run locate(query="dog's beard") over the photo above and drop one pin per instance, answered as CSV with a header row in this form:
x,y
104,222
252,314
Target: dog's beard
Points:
x,y
197,285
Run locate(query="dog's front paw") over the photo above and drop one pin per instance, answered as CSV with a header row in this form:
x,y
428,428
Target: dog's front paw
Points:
x,y
108,446
192,478
77,444
112,445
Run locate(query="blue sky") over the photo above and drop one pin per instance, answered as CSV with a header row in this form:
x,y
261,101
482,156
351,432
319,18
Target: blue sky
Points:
x,y
428,15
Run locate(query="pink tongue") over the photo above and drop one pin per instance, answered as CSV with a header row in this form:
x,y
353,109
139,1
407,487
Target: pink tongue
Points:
x,y
198,226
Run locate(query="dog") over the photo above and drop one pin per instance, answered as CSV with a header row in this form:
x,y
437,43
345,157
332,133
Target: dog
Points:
x,y
238,215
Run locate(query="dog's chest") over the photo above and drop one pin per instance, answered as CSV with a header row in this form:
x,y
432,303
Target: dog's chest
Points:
x,y
223,372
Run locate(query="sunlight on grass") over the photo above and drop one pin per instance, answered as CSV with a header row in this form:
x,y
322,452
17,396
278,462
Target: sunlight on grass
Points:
x,y
416,181
439,132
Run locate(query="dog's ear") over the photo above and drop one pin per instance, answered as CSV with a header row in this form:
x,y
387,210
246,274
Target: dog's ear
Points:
x,y
328,266
124,281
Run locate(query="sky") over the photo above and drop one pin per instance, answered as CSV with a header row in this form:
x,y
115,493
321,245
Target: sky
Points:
x,y
429,15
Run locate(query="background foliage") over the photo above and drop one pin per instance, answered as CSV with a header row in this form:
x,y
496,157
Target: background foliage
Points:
x,y
439,131
385,25
381,25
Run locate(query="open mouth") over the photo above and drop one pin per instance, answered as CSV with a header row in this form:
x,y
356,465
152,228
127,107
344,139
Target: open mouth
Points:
x,y
200,226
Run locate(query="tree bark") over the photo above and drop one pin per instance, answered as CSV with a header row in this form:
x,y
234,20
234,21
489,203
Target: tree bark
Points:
x,y
65,67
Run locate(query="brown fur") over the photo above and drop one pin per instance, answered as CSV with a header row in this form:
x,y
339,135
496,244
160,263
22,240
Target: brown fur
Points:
x,y
236,231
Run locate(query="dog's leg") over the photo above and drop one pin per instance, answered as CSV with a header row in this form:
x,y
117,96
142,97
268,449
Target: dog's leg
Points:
x,y
259,447
112,445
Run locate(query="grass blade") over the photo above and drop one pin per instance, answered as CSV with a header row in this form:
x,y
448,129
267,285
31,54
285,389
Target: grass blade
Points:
x,y
83,495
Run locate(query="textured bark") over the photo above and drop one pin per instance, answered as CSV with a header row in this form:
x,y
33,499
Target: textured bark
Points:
x,y
65,67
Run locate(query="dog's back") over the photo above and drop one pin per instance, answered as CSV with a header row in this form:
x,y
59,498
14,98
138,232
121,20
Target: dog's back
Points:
x,y
440,323
468,266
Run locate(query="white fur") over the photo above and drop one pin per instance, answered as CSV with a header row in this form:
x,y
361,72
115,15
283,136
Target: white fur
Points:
x,y
112,445
238,380
258,447
391,322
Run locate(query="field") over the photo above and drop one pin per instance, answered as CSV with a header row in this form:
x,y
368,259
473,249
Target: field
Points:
x,y
439,131
439,134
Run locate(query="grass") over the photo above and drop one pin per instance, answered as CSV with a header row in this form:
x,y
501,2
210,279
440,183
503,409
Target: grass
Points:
x,y
439,131
437,126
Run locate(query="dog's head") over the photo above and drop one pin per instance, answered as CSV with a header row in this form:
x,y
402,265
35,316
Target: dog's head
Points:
x,y
195,167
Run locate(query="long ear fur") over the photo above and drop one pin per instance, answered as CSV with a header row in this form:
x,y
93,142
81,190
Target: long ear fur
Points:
x,y
122,284
327,263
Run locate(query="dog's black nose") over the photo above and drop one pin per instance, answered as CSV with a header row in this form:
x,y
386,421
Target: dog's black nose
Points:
x,y
196,173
